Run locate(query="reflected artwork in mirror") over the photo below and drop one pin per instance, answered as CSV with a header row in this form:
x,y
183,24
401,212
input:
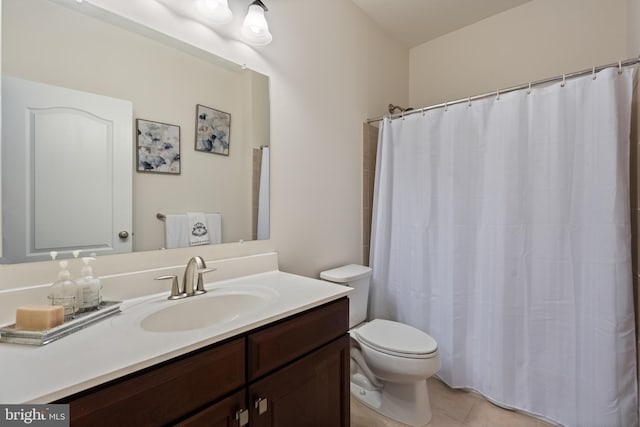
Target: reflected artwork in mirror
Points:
x,y
68,196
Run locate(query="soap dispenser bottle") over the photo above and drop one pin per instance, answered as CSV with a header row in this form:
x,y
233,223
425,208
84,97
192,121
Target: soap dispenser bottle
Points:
x,y
90,288
64,292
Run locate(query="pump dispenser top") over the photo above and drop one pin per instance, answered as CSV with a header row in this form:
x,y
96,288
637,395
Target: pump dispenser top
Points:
x,y
86,268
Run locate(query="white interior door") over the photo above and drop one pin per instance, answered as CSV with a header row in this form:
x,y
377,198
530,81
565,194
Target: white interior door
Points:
x,y
66,171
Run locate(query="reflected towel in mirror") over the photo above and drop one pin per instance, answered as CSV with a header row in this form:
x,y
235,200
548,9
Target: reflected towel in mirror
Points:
x,y
177,230
197,229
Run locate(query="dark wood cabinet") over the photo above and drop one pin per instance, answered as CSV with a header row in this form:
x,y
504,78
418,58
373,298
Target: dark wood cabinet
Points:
x,y
290,373
311,392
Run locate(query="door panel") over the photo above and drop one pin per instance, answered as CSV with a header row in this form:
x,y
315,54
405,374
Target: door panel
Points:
x,y
63,149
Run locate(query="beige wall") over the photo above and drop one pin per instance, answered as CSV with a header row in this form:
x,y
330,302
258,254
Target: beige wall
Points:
x,y
330,68
539,39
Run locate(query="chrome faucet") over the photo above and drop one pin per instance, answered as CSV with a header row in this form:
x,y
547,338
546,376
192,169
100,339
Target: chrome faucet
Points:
x,y
192,283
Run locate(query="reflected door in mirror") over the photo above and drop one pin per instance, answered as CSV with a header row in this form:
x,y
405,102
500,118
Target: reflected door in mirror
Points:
x,y
66,171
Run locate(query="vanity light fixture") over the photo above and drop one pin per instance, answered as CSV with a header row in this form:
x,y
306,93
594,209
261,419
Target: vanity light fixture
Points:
x,y
217,12
255,30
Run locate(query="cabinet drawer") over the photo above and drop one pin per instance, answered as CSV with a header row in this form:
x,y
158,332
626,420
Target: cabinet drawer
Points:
x,y
164,393
277,345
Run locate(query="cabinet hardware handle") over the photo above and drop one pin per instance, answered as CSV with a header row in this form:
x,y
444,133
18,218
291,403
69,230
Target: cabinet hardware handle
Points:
x,y
242,416
261,405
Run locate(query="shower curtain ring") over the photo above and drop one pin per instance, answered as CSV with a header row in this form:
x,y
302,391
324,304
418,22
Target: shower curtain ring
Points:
x,y
423,111
593,73
564,80
529,90
446,106
619,67
469,101
498,95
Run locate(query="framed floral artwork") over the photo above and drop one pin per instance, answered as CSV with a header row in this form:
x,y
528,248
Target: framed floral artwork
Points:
x,y
157,147
213,129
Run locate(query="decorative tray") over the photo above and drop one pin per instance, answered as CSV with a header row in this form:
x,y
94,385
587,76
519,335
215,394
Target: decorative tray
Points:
x,y
81,321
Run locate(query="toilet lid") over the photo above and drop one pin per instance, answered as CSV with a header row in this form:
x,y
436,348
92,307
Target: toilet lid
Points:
x,y
393,337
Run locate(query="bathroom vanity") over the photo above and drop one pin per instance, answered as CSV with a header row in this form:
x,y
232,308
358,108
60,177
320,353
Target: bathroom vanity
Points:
x,y
290,373
260,348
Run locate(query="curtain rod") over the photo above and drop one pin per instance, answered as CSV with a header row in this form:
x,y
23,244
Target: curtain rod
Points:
x,y
620,64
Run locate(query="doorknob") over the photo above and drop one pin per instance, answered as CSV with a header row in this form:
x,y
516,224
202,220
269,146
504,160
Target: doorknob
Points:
x,y
123,234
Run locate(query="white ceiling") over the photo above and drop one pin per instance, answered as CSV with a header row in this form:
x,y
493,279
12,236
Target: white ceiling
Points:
x,y
414,22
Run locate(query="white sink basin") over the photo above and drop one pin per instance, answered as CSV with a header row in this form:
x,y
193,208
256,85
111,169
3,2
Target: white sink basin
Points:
x,y
217,306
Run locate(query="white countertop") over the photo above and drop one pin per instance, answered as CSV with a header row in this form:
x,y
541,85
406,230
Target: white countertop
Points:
x,y
118,345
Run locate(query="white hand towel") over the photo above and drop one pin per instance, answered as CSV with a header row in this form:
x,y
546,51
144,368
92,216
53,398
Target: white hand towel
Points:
x,y
197,228
175,231
214,223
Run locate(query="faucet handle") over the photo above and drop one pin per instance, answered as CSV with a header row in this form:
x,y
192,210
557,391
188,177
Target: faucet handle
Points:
x,y
200,286
175,288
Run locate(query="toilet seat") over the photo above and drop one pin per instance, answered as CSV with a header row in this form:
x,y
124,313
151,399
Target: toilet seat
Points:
x,y
397,339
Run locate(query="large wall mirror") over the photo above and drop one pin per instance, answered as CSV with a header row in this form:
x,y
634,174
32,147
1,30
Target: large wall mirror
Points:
x,y
63,177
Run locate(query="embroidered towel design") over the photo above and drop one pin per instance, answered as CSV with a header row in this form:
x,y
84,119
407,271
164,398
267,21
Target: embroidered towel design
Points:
x,y
197,226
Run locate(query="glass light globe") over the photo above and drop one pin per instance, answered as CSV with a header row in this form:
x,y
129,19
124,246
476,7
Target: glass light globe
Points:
x,y
216,12
255,30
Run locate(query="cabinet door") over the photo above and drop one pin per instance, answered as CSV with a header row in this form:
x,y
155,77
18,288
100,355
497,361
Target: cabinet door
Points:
x,y
220,414
311,392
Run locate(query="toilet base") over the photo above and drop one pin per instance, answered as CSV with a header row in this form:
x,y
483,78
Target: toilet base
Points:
x,y
406,403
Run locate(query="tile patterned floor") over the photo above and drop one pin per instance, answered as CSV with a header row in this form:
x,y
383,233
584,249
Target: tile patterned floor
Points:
x,y
450,408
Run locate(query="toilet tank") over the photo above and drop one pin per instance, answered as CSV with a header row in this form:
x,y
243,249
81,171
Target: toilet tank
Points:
x,y
357,277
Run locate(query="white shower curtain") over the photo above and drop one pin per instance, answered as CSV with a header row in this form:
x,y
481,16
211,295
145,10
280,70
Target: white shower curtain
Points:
x,y
263,197
501,228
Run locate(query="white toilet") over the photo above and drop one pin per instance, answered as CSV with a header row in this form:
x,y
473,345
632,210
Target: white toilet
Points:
x,y
390,361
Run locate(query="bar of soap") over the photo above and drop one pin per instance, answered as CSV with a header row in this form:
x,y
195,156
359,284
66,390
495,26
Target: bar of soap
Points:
x,y
39,317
